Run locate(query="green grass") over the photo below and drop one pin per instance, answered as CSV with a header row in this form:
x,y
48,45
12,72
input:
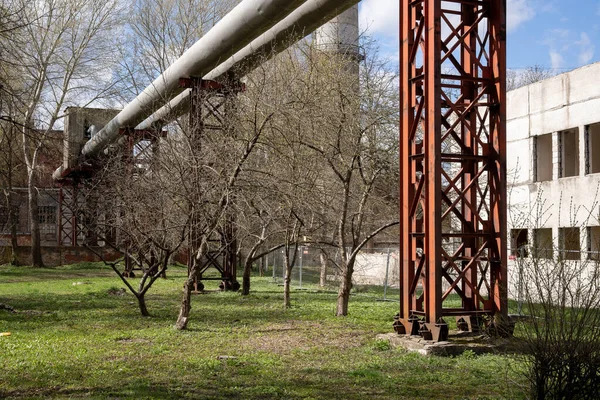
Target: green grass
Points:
x,y
72,337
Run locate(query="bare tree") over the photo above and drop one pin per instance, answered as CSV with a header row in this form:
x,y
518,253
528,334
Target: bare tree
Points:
x,y
560,292
132,207
331,156
11,165
516,79
159,32
352,133
11,172
62,57
212,164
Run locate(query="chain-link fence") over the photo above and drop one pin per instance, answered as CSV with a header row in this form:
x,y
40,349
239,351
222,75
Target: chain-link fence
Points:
x,y
374,267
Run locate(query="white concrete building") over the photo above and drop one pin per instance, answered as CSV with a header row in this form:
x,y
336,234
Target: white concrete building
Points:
x,y
553,161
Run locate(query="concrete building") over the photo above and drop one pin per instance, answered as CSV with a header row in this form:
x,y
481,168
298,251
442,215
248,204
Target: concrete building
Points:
x,y
553,160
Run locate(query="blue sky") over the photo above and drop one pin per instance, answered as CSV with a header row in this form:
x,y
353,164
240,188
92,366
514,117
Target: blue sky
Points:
x,y
556,34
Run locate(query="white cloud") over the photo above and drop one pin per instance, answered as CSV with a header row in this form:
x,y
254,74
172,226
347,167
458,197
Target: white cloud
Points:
x,y
380,17
518,12
586,49
556,59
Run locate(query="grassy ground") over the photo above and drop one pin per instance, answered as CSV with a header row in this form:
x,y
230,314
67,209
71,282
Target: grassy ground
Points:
x,y
76,335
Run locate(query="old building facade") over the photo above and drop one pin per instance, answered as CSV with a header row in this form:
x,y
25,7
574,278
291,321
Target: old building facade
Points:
x,y
553,160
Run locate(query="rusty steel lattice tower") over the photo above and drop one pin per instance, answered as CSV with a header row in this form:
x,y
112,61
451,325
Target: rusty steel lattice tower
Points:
x,y
453,171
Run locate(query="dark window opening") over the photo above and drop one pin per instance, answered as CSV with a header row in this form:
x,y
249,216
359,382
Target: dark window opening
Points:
x,y
569,153
593,149
87,133
593,242
542,245
570,244
519,242
543,157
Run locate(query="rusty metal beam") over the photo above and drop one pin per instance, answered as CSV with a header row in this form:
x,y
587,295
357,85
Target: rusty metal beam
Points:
x,y
453,169
209,110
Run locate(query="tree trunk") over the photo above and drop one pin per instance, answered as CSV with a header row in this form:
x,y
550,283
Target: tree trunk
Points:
x,y
186,302
142,304
188,287
246,277
345,288
261,267
286,287
12,220
36,250
324,265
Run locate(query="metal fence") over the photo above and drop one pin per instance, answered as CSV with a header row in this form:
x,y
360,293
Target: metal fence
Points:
x,y
373,268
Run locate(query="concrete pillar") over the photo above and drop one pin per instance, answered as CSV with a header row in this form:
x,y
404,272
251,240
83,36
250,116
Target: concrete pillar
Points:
x,y
556,153
583,151
556,242
532,159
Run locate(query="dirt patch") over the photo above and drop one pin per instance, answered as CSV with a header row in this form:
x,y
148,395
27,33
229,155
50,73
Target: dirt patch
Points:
x,y
6,307
117,292
284,338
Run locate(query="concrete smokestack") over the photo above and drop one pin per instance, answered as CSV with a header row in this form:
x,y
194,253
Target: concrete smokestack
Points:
x,y
340,35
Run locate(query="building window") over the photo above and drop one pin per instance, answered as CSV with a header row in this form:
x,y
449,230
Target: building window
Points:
x,y
47,215
518,243
543,157
87,132
570,244
593,242
593,149
542,243
569,153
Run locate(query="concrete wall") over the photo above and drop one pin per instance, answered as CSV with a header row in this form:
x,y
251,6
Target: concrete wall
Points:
x,y
77,121
555,120
370,269
59,255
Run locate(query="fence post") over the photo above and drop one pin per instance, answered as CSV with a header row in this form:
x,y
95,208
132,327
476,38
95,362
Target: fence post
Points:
x,y
274,264
301,258
387,269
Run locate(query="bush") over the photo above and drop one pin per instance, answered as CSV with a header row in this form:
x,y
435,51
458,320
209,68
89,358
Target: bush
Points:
x,y
561,335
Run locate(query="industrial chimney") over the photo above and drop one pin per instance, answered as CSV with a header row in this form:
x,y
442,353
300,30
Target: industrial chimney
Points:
x,y
340,35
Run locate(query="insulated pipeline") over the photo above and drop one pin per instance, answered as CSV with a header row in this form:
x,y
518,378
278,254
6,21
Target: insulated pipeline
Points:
x,y
245,22
301,22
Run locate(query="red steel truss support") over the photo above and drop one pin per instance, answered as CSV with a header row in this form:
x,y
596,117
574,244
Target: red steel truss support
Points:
x,y
77,214
209,108
453,170
68,213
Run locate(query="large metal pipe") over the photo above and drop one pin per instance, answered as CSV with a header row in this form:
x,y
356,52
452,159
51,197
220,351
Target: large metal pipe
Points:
x,y
245,22
301,22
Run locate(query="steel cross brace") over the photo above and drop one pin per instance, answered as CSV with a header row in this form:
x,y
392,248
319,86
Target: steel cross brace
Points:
x,y
453,165
209,112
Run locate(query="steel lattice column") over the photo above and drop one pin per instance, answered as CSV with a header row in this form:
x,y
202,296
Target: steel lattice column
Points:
x,y
452,158
68,214
210,107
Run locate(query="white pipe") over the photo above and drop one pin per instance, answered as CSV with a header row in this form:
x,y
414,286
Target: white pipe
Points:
x,y
301,22
245,22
